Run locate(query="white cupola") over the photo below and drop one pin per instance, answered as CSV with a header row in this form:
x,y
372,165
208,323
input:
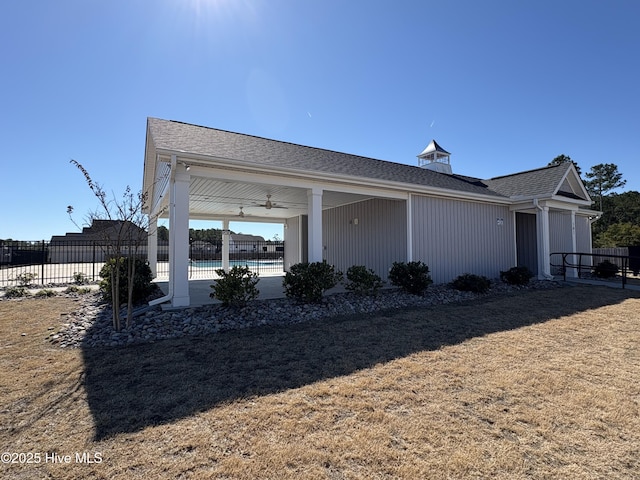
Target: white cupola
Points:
x,y
435,158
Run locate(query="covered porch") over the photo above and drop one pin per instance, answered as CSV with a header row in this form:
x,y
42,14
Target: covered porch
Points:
x,y
191,188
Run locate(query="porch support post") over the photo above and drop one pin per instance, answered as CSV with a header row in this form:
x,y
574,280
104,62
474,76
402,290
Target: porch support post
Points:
x,y
152,246
179,238
226,238
574,244
314,205
544,248
409,228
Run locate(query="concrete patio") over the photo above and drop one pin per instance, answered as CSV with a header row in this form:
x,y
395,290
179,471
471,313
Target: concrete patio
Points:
x,y
270,286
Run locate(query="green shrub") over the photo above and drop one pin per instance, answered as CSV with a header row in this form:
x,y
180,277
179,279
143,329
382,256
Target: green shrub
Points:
x,y
413,277
606,269
469,282
363,281
16,292
25,279
516,276
79,278
235,288
142,286
47,292
306,282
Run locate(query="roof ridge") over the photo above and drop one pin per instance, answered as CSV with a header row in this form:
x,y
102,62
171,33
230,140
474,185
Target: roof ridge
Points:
x,y
547,167
286,142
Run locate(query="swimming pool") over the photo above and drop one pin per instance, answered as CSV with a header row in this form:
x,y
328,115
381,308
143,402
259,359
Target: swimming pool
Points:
x,y
273,264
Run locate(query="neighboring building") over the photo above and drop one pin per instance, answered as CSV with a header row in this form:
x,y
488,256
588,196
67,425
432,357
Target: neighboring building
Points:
x,y
93,243
352,210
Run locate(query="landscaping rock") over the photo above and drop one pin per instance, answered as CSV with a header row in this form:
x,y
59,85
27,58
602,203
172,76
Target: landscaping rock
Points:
x,y
91,324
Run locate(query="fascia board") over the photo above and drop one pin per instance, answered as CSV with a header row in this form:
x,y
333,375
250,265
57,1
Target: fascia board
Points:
x,y
149,170
330,180
572,170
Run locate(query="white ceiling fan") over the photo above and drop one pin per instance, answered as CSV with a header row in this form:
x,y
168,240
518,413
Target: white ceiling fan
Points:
x,y
269,204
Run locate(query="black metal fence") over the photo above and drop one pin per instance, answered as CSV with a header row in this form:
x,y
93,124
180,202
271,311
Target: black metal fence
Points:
x,y
588,265
46,263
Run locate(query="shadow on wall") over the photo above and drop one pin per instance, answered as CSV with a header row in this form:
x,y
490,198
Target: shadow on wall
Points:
x,y
130,388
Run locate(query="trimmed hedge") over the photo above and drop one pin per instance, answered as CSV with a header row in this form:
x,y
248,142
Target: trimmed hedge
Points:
x,y
413,277
235,288
468,282
516,276
362,281
142,286
307,282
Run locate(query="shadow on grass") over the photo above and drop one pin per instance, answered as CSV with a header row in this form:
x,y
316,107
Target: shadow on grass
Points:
x,y
133,387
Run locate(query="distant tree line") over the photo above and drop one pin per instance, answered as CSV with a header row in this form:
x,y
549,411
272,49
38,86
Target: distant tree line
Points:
x,y
619,225
210,235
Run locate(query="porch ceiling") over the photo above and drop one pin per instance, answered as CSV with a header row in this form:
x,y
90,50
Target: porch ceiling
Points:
x,y
222,199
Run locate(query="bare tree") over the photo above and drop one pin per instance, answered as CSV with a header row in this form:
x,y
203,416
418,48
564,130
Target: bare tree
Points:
x,y
121,237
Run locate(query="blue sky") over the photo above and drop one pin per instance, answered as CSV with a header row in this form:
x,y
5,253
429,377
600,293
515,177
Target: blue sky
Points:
x,y
503,85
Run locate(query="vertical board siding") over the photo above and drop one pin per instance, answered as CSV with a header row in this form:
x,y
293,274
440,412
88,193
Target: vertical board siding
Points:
x,y
377,240
454,237
583,237
560,236
292,242
560,231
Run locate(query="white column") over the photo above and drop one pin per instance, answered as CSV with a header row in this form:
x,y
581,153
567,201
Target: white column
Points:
x,y
314,206
544,248
573,272
152,246
179,239
409,229
226,238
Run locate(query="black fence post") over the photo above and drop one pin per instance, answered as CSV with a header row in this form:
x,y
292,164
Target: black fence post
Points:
x,y
43,261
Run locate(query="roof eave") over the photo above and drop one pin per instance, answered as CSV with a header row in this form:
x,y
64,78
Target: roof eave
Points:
x,y
209,161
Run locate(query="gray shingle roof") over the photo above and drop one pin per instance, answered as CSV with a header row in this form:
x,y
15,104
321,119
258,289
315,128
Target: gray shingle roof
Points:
x,y
542,181
176,136
182,137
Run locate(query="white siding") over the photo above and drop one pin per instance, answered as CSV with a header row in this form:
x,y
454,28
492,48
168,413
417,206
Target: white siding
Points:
x,y
583,237
454,237
372,233
583,234
291,242
560,238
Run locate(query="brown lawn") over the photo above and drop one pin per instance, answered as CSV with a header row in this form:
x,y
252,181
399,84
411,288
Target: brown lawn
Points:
x,y
545,384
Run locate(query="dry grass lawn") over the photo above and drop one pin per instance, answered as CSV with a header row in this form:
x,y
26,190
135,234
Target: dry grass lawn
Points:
x,y
545,384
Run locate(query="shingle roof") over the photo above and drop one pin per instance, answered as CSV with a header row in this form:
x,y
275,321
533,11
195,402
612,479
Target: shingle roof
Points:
x,y
542,181
182,137
176,136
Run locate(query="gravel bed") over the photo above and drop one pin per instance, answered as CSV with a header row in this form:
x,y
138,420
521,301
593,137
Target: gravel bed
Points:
x,y
91,324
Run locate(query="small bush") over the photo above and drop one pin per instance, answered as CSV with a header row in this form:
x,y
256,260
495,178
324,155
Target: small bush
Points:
x,y
306,282
363,281
516,276
142,286
469,282
25,279
606,269
79,278
47,292
16,292
235,288
413,277
76,289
